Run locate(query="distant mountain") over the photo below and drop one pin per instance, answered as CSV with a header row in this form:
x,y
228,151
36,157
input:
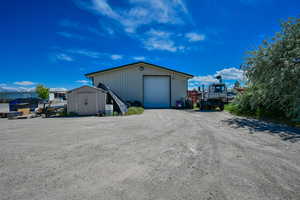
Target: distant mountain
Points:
x,y
24,89
16,89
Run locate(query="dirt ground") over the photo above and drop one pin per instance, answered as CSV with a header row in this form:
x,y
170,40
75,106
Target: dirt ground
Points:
x,y
161,154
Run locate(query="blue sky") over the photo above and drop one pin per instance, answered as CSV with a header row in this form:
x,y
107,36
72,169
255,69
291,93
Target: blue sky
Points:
x,y
55,42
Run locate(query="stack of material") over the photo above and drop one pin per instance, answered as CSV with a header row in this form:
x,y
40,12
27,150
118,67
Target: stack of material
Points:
x,y
21,113
24,111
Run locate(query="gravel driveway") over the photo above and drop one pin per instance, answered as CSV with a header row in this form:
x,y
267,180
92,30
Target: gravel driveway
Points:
x,y
161,154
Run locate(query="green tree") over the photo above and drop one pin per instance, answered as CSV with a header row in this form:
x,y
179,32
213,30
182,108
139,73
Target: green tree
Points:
x,y
273,74
237,84
42,92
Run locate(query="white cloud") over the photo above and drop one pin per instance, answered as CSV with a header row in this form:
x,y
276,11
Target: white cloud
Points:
x,y
202,80
159,11
231,74
82,81
159,33
161,40
3,84
141,12
208,79
16,89
82,27
139,58
145,12
63,57
24,83
116,57
159,44
228,74
104,8
194,37
84,52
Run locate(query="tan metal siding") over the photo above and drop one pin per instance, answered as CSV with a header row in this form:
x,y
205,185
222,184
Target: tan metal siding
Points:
x,y
128,82
178,88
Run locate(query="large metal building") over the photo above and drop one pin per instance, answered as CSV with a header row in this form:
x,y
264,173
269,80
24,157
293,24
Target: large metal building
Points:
x,y
152,85
86,100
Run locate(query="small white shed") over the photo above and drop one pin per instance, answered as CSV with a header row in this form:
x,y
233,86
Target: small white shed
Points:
x,y
86,100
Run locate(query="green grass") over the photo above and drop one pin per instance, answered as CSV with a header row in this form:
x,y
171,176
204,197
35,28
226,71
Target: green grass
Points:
x,y
232,108
135,111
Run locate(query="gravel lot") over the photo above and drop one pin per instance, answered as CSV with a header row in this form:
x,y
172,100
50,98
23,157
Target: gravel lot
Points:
x,y
162,154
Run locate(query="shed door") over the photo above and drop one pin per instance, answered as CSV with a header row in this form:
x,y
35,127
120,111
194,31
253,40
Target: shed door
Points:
x,y
156,91
87,104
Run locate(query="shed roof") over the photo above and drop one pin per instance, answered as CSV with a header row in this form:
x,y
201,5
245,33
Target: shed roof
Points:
x,y
128,65
86,86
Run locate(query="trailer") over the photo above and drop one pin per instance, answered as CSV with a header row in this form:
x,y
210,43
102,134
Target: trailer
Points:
x,y
31,103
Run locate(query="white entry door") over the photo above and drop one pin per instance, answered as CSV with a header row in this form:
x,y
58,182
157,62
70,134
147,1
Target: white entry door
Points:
x,y
156,91
87,104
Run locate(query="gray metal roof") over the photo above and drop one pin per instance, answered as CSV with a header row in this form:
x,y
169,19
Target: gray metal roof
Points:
x,y
119,67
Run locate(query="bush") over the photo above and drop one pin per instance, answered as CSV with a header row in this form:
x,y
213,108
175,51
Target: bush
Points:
x,y
135,111
232,108
272,72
